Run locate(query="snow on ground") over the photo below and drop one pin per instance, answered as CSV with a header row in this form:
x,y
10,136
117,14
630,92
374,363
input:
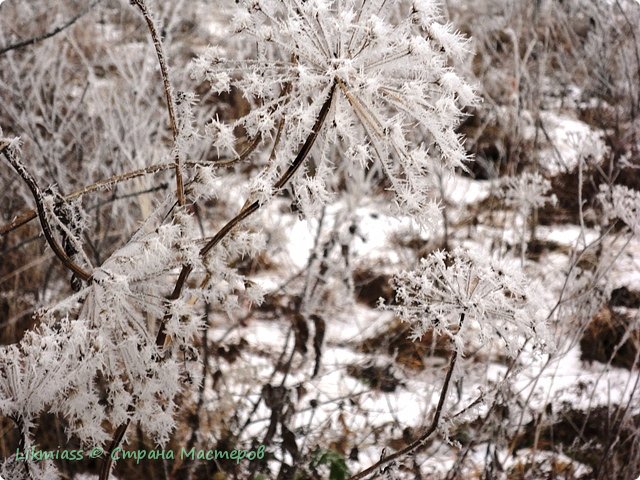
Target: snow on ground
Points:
x,y
464,191
626,271
568,380
566,235
570,139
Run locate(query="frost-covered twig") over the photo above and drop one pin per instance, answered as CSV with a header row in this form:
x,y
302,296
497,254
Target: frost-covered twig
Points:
x,y
19,167
55,31
168,92
253,207
28,215
416,445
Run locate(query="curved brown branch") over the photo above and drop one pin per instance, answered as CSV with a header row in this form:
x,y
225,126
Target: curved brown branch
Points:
x,y
108,461
42,214
422,440
168,92
251,208
28,215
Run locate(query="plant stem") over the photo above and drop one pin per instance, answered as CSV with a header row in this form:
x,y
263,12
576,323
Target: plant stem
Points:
x,y
28,215
422,440
21,170
251,208
107,462
168,93
55,31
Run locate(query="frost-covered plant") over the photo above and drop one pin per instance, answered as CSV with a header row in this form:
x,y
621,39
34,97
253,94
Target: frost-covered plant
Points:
x,y
343,90
620,202
525,194
384,66
109,337
470,298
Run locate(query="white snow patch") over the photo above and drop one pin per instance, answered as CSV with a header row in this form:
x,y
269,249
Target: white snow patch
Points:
x,y
465,191
570,139
568,379
566,235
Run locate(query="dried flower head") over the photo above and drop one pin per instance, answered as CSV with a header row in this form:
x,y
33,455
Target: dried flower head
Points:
x,y
620,202
491,298
396,100
528,191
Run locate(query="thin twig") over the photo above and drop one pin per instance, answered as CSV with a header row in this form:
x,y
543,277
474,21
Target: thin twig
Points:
x,y
55,31
42,213
168,93
422,440
117,438
28,215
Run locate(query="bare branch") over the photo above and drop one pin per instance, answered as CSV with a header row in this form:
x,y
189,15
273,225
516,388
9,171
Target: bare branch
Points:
x,y
19,167
55,31
28,215
422,440
251,208
168,92
108,461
